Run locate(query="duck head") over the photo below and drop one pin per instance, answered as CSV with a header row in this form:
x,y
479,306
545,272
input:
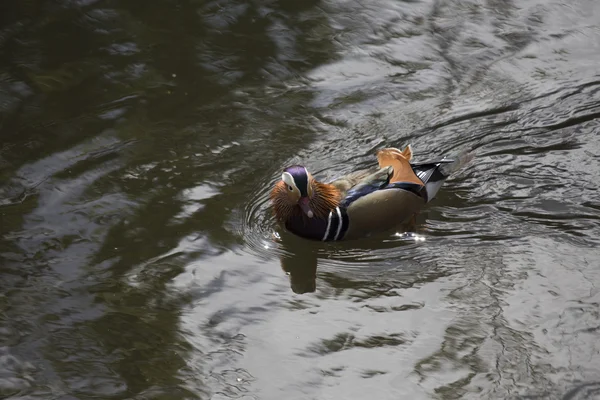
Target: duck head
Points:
x,y
296,189
299,195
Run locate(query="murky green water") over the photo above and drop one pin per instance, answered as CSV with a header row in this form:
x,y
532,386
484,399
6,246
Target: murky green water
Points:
x,y
138,143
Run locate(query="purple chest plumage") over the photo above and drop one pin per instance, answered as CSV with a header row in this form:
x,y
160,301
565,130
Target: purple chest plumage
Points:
x,y
332,228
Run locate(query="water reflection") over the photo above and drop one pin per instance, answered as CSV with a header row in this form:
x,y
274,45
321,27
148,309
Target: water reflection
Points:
x,y
300,263
300,258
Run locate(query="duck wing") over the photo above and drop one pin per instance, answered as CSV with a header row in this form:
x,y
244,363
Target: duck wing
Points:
x,y
363,180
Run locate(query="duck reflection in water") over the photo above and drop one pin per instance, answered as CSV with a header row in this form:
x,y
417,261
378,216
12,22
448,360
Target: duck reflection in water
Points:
x,y
299,258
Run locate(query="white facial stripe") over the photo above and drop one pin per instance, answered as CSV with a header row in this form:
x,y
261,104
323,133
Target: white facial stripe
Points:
x,y
288,179
308,188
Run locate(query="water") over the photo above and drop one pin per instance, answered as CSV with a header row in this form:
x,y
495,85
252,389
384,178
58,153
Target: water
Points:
x,y
140,141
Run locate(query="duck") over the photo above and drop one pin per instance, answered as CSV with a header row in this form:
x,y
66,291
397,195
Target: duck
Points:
x,y
361,203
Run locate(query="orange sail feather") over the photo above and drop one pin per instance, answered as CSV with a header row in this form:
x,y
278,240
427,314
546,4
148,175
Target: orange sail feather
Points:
x,y
399,160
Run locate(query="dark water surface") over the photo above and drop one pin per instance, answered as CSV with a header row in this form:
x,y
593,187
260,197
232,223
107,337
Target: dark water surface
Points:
x,y
139,140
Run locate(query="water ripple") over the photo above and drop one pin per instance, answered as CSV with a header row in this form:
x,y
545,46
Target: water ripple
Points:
x,y
140,255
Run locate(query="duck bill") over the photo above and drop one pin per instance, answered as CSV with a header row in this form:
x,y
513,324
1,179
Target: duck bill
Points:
x,y
303,203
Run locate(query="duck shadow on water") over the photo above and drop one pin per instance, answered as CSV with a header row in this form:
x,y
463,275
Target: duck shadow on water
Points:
x,y
299,258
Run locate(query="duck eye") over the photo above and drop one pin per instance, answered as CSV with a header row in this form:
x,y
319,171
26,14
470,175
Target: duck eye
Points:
x,y
290,187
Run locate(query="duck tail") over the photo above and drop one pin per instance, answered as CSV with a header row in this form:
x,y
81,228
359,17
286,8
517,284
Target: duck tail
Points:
x,y
434,173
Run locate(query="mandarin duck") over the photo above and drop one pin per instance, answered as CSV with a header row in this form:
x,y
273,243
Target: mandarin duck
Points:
x,y
361,203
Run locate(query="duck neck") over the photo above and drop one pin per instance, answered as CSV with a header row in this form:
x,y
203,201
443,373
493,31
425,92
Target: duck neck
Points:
x,y
325,198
